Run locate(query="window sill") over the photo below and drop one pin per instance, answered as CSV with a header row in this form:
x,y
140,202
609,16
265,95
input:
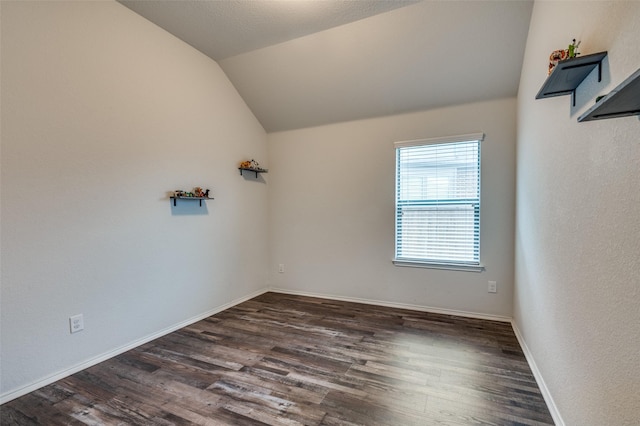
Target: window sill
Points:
x,y
431,265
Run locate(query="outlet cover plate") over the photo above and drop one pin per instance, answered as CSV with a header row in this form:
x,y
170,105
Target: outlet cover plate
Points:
x,y
76,323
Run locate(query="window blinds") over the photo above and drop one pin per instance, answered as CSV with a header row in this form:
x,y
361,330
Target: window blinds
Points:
x,y
438,200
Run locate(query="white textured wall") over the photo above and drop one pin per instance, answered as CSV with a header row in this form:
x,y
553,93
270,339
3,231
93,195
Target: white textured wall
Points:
x,y
577,299
102,113
331,193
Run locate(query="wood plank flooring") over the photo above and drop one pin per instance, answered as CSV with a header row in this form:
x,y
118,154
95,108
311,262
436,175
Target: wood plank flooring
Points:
x,y
290,360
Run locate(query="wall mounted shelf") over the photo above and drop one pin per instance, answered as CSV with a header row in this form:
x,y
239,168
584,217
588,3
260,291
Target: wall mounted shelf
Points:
x,y
623,101
568,74
175,199
256,171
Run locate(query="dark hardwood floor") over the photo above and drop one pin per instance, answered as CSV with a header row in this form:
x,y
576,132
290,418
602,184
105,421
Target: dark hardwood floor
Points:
x,y
290,360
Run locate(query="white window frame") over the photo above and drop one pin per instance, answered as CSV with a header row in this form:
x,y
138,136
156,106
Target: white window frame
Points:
x,y
473,265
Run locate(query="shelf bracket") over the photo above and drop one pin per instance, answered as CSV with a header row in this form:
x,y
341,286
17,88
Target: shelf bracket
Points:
x,y
175,199
256,171
599,71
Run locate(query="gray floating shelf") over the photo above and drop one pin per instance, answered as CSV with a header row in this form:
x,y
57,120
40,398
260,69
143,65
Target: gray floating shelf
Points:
x,y
568,74
256,171
623,101
190,198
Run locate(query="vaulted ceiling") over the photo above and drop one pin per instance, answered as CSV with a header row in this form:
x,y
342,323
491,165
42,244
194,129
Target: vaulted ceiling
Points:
x,y
302,63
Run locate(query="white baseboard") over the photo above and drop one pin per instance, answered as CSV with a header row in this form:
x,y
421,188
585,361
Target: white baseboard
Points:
x,y
396,305
553,409
8,396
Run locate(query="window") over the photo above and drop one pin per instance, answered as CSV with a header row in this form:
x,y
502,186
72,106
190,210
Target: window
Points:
x,y
438,203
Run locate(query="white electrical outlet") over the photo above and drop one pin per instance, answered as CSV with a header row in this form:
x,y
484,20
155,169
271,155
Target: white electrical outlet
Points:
x,y
76,323
281,268
493,287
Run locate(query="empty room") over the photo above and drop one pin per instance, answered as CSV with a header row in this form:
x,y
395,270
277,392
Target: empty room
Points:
x,y
301,212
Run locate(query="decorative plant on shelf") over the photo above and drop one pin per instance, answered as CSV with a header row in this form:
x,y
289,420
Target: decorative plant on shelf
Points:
x,y
251,165
563,54
573,49
196,193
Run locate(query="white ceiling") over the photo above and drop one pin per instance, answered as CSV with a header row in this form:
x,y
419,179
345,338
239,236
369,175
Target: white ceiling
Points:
x,y
301,63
